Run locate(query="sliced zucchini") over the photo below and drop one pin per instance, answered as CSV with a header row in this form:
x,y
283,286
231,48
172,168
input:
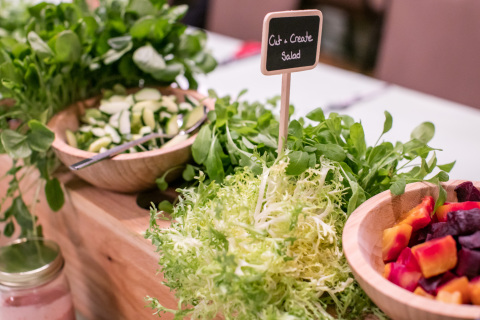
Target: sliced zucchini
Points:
x,y
194,102
102,142
169,103
148,118
172,125
71,139
165,115
114,107
109,130
193,117
175,140
102,149
147,94
113,121
149,104
130,99
124,122
98,132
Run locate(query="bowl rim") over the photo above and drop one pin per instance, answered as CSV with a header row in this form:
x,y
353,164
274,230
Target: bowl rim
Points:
x,y
62,146
353,253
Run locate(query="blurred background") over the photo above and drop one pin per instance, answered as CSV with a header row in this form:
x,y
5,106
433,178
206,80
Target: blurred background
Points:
x,y
432,46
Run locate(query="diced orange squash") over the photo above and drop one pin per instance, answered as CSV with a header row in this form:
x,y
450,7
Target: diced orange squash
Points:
x,y
395,239
436,256
420,216
402,277
443,211
474,290
449,297
458,284
387,270
419,291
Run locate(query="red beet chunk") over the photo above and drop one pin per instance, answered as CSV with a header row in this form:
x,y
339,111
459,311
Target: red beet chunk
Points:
x,y
467,192
419,236
465,221
441,229
432,284
470,242
468,263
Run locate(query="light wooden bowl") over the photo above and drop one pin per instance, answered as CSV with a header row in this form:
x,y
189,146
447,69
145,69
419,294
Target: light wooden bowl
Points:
x,y
362,245
126,172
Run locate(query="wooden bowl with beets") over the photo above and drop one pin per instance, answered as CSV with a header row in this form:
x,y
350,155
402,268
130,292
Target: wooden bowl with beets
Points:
x,y
413,261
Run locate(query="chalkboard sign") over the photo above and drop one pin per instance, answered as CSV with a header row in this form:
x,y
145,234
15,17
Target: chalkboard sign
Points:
x,y
291,41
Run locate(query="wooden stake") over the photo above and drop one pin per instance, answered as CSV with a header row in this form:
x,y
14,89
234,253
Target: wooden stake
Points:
x,y
285,106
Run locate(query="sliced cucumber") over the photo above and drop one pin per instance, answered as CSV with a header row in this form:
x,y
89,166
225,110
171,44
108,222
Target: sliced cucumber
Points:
x,y
130,99
148,118
148,104
147,94
124,122
172,125
98,132
169,103
93,113
193,117
85,128
114,107
136,122
109,130
194,102
185,106
71,139
145,130
102,142
116,98
175,140
102,149
165,115
114,120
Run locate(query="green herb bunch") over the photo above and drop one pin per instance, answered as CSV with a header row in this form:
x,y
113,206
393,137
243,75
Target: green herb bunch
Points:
x,y
240,131
66,53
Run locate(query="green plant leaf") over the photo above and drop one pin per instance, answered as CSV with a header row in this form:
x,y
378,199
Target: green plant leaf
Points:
x,y
15,144
40,138
189,173
299,161
23,217
170,72
142,27
316,115
358,138
67,47
39,46
148,59
332,151
387,125
398,187
9,229
201,145
165,206
424,132
447,167
54,194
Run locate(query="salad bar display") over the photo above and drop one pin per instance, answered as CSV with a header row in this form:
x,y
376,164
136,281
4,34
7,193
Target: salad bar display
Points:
x,y
326,226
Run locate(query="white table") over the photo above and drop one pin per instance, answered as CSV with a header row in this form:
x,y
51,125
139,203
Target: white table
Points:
x,y
456,125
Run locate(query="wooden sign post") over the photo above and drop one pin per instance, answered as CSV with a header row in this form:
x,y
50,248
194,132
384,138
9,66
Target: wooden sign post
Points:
x,y
290,43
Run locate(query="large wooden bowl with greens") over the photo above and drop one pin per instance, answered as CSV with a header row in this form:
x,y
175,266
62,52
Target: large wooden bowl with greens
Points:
x,y
130,172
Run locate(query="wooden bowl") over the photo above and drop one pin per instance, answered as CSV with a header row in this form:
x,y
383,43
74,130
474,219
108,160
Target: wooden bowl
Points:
x,y
125,172
362,245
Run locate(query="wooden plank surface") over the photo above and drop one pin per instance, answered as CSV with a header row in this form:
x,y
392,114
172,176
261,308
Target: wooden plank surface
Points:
x,y
109,264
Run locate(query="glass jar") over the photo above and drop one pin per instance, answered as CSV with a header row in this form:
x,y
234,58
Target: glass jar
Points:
x,y
33,284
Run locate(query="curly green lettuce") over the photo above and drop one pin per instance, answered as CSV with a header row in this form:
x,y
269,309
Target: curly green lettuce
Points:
x,y
260,247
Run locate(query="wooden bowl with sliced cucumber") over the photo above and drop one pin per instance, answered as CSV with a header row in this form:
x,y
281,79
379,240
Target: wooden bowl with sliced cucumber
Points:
x,y
98,124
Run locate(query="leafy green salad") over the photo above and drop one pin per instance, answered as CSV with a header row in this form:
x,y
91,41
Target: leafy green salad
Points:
x,y
257,235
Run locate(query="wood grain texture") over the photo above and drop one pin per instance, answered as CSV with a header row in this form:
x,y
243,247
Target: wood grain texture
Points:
x,y
111,268
362,245
126,172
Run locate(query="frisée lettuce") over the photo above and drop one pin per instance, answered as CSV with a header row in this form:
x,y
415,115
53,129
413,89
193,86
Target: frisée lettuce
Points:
x,y
262,246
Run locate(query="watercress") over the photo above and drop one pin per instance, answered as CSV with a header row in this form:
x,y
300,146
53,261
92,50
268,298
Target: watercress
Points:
x,y
67,52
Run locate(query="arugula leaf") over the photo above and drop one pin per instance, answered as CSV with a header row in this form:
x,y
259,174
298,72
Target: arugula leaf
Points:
x,y
298,162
